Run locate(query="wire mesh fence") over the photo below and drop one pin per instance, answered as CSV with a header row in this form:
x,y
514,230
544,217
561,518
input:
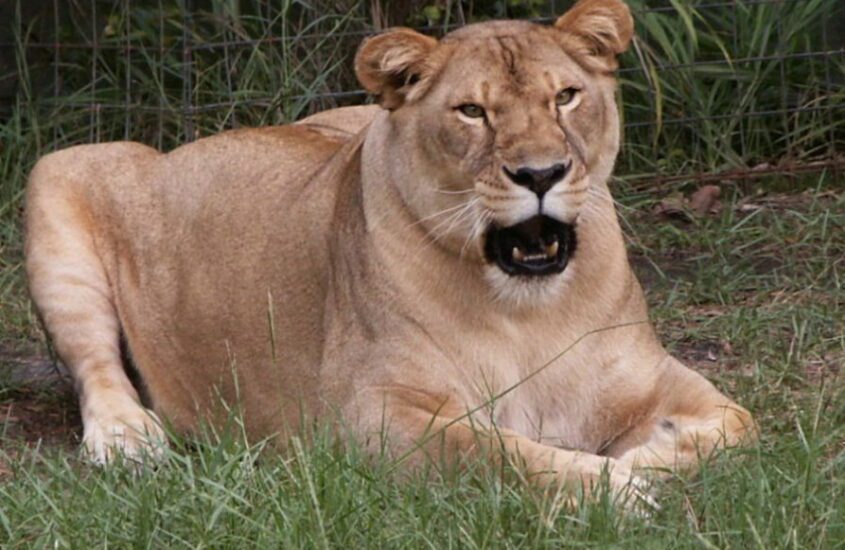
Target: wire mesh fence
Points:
x,y
722,89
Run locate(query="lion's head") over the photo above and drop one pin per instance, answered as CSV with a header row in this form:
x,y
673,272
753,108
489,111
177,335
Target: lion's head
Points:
x,y
499,132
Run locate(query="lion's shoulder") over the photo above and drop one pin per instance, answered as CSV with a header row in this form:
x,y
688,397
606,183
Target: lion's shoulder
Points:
x,y
343,122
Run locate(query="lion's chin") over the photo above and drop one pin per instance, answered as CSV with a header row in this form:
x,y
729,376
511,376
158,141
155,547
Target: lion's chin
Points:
x,y
526,292
536,248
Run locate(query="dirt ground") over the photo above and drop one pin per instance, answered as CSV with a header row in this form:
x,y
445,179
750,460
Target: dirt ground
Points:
x,y
38,405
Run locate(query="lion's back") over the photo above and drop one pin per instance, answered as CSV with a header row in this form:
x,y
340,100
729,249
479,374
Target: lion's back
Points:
x,y
242,218
198,245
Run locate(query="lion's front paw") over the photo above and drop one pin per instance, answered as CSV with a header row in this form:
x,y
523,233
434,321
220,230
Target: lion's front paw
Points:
x,y
633,492
131,433
629,490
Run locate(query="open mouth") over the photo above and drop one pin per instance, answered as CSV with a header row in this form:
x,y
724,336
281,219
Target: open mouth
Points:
x,y
536,247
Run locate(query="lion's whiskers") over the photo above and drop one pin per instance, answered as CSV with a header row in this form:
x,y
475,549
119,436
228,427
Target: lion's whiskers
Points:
x,y
452,220
453,192
432,236
475,232
442,212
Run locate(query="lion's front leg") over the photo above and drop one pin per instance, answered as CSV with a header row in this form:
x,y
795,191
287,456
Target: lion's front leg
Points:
x,y
423,427
691,419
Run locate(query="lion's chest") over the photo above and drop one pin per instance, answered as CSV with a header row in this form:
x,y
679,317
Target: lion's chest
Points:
x,y
551,396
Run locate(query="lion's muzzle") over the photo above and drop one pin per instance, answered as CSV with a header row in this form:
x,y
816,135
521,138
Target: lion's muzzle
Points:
x,y
536,247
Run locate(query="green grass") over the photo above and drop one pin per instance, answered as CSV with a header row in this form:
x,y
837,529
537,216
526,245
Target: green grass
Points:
x,y
752,297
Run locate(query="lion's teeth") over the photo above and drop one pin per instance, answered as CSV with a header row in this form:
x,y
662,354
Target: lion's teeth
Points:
x,y
548,252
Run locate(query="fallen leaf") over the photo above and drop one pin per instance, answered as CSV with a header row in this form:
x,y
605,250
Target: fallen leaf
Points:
x,y
706,200
673,206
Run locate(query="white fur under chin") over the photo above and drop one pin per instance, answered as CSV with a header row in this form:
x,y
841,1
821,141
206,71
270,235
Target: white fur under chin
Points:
x,y
526,292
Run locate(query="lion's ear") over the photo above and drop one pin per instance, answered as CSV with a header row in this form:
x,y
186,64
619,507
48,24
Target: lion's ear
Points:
x,y
388,65
598,31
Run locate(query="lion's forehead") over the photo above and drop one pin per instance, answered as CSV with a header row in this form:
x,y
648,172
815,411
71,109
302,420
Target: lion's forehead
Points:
x,y
511,67
496,81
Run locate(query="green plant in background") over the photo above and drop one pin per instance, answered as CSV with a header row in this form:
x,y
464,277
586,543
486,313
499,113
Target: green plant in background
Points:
x,y
713,89
703,88
446,11
138,80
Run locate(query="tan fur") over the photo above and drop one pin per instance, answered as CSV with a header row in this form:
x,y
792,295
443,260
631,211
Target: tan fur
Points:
x,y
320,270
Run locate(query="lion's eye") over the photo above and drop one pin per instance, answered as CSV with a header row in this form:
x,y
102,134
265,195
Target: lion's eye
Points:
x,y
565,97
471,110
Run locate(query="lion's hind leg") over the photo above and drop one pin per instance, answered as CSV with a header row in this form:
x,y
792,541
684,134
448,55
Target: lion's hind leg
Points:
x,y
69,285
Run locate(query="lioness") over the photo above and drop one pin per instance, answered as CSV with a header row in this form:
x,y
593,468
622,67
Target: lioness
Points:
x,y
444,271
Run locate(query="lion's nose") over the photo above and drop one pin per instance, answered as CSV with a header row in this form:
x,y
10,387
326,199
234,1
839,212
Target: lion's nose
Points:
x,y
538,180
